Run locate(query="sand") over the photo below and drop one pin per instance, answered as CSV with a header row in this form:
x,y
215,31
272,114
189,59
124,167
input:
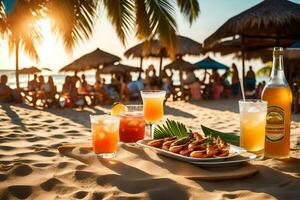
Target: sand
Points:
x,y
32,167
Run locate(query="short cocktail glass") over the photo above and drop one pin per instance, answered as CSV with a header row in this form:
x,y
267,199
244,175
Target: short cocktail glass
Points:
x,y
105,135
153,102
132,124
253,123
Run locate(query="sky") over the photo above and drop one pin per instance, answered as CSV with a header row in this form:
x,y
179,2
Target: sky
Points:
x,y
53,55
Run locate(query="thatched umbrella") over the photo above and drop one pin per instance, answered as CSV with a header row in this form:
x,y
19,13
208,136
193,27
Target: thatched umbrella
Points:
x,y
29,70
154,48
91,60
181,65
270,19
118,68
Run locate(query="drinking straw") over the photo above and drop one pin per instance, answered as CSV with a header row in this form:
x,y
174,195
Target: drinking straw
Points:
x,y
242,88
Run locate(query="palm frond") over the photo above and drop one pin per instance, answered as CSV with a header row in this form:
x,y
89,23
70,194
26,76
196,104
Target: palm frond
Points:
x,y
171,128
142,20
121,15
162,22
190,8
265,70
73,19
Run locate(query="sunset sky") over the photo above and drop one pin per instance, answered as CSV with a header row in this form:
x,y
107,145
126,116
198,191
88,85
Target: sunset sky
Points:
x,y
52,54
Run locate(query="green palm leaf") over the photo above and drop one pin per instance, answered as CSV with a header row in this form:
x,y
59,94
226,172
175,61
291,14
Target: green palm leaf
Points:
x,y
121,15
265,71
171,128
189,8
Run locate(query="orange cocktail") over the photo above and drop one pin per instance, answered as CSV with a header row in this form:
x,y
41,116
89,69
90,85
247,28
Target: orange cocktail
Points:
x,y
105,132
153,102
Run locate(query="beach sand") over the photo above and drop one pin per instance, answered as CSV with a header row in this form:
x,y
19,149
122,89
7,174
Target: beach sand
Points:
x,y
33,168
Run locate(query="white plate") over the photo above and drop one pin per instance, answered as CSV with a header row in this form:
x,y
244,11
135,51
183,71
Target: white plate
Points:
x,y
234,151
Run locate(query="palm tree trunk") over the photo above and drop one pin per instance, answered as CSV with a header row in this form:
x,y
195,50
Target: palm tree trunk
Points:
x,y
17,64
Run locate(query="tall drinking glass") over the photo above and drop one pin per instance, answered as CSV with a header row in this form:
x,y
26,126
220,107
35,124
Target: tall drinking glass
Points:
x,y
105,135
253,123
153,102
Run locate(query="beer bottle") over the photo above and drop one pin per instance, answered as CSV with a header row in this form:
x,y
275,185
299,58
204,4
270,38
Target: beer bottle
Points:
x,y
279,97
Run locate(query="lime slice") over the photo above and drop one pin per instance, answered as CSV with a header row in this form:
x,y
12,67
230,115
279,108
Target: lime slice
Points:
x,y
118,109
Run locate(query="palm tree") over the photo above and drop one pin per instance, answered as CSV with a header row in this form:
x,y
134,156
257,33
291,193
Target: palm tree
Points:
x,y
74,21
265,70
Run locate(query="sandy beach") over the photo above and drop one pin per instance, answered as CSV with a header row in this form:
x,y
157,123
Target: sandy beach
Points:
x,y
33,168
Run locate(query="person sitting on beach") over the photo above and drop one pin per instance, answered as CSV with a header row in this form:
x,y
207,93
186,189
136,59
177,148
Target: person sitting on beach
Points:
x,y
69,93
134,88
250,80
235,81
190,78
215,76
167,82
226,85
151,79
195,90
100,93
5,90
49,90
33,85
84,86
75,79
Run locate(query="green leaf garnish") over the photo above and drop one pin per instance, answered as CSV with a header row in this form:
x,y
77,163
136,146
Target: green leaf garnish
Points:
x,y
228,137
171,128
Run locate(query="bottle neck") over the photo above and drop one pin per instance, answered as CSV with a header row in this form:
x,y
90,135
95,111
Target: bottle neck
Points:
x,y
278,67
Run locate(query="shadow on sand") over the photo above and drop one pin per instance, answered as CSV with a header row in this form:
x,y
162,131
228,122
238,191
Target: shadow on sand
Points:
x,y
14,117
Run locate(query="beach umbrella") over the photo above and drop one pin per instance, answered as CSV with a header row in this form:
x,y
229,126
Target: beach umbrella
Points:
x,y
29,70
47,69
181,65
90,61
275,20
118,68
293,52
209,63
154,48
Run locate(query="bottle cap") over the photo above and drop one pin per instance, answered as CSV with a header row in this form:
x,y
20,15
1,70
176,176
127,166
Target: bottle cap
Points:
x,y
278,51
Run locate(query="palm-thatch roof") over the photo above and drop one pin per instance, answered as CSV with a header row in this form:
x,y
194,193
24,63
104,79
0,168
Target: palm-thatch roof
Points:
x,y
278,19
180,64
154,48
29,70
118,68
91,60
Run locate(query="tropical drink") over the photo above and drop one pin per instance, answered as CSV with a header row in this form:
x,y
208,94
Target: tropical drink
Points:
x,y
132,124
252,125
105,134
153,102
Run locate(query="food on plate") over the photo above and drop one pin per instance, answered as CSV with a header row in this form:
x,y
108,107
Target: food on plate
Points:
x,y
195,145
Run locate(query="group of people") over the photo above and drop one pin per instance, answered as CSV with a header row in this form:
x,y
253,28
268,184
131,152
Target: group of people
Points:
x,y
219,86
75,89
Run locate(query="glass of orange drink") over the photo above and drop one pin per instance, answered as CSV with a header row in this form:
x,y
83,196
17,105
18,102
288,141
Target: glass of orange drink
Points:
x,y
153,106
105,135
253,123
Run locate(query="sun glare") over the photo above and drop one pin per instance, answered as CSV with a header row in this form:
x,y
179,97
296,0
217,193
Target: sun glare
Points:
x,y
50,50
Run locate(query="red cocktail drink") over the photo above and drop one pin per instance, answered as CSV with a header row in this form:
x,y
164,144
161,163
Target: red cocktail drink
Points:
x,y
132,126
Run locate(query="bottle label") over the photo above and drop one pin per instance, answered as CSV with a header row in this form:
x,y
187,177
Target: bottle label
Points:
x,y
275,128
